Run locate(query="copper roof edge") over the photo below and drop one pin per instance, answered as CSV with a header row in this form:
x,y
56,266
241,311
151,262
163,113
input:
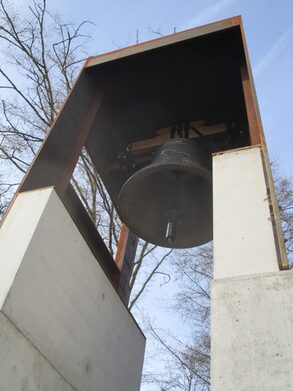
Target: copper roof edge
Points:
x,y
165,40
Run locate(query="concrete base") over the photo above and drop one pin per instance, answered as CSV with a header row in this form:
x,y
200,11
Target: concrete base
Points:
x,y
22,366
62,324
252,333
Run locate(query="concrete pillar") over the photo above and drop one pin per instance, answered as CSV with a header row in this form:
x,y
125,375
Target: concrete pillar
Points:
x,y
252,317
62,324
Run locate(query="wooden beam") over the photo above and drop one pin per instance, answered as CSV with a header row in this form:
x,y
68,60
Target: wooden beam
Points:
x,y
171,39
125,257
250,107
164,135
90,234
56,160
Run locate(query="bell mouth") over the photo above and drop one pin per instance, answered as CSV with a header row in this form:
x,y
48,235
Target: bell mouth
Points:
x,y
158,197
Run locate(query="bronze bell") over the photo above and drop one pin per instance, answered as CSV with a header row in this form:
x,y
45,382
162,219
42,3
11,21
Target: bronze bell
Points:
x,y
169,202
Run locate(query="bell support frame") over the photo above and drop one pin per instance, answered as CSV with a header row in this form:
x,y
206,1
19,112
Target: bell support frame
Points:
x,y
82,114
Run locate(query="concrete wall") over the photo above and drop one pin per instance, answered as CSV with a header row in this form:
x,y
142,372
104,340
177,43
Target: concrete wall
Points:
x,y
16,234
61,301
252,333
22,366
243,232
252,313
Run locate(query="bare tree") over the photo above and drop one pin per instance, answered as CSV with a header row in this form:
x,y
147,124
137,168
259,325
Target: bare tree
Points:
x,y
188,363
284,192
42,56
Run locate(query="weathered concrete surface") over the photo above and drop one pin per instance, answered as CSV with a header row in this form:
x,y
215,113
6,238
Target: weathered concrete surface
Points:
x,y
16,233
243,232
252,333
22,367
63,303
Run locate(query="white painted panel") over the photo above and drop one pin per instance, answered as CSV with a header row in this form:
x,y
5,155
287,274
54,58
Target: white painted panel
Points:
x,y
22,367
63,302
243,232
15,234
252,333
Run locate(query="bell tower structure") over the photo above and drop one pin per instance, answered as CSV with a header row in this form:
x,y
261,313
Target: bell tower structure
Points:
x,y
173,128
